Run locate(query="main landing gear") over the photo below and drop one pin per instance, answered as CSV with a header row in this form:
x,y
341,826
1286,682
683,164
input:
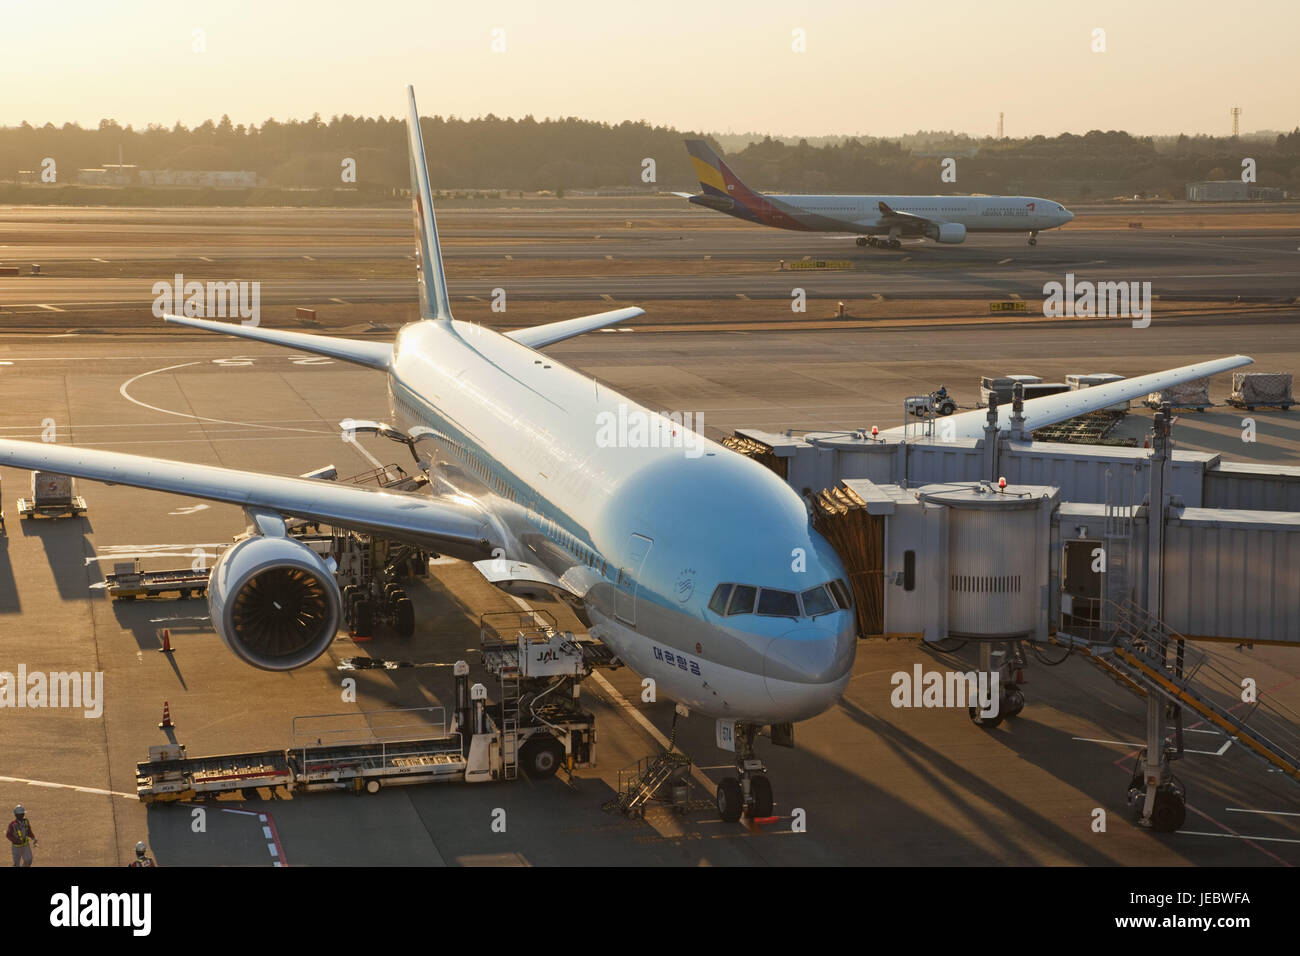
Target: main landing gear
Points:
x,y
875,243
1033,237
751,792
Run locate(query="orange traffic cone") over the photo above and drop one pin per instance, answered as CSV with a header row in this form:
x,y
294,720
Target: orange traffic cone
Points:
x,y
167,717
166,641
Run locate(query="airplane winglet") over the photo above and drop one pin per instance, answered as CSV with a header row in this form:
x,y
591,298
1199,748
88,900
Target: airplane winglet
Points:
x,y
434,303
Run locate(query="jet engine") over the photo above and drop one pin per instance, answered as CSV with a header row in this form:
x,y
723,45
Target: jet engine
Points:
x,y
946,232
274,602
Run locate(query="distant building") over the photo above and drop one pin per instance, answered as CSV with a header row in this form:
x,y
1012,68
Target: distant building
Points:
x,y
113,175
1232,190
218,178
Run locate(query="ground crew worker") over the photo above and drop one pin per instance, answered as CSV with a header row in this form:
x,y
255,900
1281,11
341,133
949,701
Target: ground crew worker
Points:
x,y
21,836
141,859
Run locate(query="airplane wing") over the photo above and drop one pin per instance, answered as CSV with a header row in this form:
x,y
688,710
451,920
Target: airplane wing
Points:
x,y
541,335
888,215
449,527
1040,412
372,354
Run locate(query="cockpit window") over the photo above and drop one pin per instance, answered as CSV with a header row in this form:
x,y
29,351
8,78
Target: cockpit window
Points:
x,y
742,600
816,601
718,603
729,599
778,603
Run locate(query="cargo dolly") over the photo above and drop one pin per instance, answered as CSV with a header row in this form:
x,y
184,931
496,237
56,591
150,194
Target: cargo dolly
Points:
x,y
128,582
357,752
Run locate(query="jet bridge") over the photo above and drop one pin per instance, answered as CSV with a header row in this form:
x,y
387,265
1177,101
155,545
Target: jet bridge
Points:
x,y
1131,582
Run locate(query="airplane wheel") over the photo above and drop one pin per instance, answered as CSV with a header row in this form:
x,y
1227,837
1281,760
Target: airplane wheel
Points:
x,y
1033,242
862,240
760,788
1013,702
731,801
404,617
979,721
1170,810
541,757
362,619
895,244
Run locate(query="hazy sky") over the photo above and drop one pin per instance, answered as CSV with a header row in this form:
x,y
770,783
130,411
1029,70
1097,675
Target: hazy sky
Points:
x,y
873,66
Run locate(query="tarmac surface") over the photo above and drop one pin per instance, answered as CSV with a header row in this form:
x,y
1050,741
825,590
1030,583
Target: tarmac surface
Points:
x,y
874,784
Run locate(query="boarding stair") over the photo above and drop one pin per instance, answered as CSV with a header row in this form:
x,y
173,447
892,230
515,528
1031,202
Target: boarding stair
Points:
x,y
1144,651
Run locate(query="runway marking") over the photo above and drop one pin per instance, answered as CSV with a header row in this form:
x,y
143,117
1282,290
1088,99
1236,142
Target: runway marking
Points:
x,y
339,301
510,258
49,308
1239,836
68,786
1117,743
198,418
1003,262
905,259
269,833
741,295
607,298
96,259
193,509
205,258
310,258
1270,813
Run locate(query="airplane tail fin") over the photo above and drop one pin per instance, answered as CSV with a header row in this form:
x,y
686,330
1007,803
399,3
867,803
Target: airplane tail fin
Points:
x,y
717,181
721,189
434,303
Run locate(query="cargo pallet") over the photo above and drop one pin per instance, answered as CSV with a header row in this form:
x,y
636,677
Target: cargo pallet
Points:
x,y
1239,403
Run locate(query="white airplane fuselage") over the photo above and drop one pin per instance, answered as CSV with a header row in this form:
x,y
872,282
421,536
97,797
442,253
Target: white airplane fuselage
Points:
x,y
643,535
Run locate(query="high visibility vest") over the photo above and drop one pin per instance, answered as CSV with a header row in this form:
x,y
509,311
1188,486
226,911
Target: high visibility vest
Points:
x,y
21,829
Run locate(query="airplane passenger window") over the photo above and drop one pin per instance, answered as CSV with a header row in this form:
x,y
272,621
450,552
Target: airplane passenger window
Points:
x,y
742,600
775,603
816,601
718,603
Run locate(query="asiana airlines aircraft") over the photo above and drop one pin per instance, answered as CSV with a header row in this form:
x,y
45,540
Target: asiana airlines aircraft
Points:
x,y
697,566
881,222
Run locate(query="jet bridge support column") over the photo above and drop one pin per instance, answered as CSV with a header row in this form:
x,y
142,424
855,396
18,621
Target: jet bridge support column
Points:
x,y
1155,770
991,449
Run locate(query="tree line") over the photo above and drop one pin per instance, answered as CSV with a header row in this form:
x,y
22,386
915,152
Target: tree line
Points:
x,y
492,153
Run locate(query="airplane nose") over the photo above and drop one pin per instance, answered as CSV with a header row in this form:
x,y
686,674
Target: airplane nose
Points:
x,y
806,669
810,655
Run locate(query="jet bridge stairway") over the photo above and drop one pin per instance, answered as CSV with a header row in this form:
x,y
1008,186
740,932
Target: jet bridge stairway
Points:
x,y
1155,657
1145,654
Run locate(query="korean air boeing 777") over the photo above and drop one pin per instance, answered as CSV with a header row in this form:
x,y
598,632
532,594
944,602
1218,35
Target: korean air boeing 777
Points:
x,y
697,566
941,218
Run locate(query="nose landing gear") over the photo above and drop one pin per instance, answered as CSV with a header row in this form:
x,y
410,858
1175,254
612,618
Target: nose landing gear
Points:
x,y
751,792
1033,237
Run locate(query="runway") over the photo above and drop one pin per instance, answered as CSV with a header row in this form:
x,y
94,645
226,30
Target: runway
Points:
x,y
113,261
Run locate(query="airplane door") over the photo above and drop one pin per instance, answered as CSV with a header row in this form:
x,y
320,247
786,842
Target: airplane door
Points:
x,y
629,574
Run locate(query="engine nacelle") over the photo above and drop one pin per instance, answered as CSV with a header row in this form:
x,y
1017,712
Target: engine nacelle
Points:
x,y
274,602
951,232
